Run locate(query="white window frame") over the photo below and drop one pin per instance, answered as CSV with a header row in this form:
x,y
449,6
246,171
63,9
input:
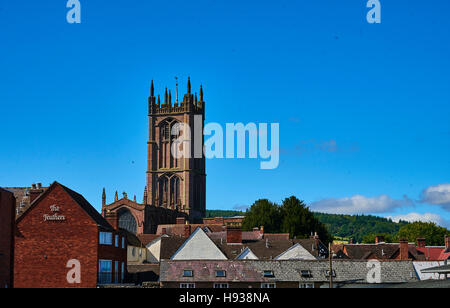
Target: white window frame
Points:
x,y
268,285
187,285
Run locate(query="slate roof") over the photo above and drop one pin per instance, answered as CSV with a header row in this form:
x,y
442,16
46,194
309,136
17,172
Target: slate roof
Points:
x,y
347,271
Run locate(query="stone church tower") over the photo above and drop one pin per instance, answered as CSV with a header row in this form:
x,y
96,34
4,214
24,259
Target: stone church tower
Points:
x,y
176,183
176,187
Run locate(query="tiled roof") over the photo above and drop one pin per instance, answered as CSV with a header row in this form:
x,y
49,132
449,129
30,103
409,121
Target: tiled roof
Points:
x,y
147,238
286,271
434,253
170,245
23,197
382,251
269,249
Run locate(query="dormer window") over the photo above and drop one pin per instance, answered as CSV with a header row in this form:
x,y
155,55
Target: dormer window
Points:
x,y
188,273
268,274
306,274
221,273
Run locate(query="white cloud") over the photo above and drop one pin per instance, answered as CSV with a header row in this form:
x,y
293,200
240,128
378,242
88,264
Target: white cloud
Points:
x,y
359,204
413,217
437,195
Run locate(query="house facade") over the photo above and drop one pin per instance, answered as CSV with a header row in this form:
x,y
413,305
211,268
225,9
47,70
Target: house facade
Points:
x,y
63,242
283,274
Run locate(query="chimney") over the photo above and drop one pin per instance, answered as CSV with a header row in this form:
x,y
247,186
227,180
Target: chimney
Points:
x,y
379,239
187,230
261,230
234,233
181,220
421,242
35,191
404,249
447,243
350,241
316,239
164,231
113,219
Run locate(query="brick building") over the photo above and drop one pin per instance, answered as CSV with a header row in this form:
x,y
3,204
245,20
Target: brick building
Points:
x,y
61,232
176,187
7,218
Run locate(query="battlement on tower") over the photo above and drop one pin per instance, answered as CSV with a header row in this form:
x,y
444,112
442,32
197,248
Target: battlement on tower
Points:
x,y
191,103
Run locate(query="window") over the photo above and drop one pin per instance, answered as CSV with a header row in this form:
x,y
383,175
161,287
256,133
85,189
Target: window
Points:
x,y
306,286
123,242
187,285
123,272
133,252
268,285
327,273
306,274
116,242
140,252
268,274
221,274
104,271
188,273
116,272
221,286
105,238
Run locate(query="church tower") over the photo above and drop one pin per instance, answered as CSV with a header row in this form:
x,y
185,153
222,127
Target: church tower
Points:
x,y
176,183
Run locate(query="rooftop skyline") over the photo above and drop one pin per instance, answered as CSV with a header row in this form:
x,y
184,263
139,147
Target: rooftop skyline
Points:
x,y
363,108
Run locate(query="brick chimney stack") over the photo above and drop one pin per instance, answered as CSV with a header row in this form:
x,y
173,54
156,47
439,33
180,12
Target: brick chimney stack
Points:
x,y
187,230
35,191
447,243
421,242
404,249
379,239
113,219
181,220
234,233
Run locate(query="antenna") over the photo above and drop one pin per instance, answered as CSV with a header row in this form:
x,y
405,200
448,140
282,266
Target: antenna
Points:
x,y
176,80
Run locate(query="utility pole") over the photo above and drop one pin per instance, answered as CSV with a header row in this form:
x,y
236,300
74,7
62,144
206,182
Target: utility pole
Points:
x,y
330,256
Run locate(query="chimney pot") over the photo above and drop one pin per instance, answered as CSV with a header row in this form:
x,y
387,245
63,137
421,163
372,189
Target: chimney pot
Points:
x,y
379,239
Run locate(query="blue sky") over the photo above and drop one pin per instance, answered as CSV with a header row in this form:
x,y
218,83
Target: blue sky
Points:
x,y
363,108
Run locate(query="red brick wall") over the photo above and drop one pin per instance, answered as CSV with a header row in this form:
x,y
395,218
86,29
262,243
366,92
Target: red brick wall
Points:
x,y
7,217
43,248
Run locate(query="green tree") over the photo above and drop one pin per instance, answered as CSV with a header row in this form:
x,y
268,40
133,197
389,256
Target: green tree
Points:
x,y
388,238
434,234
263,213
299,221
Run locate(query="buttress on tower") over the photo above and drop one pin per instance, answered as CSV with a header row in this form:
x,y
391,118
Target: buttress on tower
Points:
x,y
175,183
